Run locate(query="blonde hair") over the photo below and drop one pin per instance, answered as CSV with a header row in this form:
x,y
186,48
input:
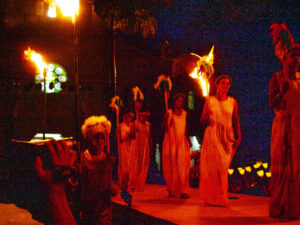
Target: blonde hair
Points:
x,y
94,125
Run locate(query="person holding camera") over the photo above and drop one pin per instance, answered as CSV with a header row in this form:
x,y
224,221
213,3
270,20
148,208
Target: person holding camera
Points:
x,y
96,175
54,180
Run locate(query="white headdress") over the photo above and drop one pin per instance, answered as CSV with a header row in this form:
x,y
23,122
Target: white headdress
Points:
x,y
94,125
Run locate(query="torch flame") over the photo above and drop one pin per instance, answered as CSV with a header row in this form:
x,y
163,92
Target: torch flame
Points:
x,y
36,58
203,71
203,82
52,9
69,8
194,74
210,57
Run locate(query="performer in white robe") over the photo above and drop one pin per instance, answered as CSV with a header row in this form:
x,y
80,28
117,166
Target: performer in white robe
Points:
x,y
176,157
221,139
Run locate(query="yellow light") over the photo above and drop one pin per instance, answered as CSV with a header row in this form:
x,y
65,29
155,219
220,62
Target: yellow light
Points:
x,y
241,170
52,10
36,58
260,173
248,169
230,171
268,174
69,8
257,164
265,165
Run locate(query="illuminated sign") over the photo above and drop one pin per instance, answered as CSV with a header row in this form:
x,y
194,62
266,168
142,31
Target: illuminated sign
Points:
x,y
55,75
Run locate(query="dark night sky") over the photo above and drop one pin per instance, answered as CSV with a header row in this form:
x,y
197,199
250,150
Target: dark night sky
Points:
x,y
243,49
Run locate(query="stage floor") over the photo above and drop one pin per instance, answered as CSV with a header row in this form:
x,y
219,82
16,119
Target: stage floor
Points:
x,y
242,209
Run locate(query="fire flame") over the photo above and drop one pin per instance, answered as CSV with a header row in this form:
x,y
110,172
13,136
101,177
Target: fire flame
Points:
x,y
52,9
36,58
203,82
204,85
201,74
69,8
210,58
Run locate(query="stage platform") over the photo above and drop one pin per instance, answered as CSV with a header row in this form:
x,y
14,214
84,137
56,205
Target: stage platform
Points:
x,y
155,205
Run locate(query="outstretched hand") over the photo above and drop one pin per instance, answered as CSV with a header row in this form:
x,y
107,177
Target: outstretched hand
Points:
x,y
62,157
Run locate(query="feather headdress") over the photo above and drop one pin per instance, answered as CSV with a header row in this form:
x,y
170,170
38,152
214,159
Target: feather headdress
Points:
x,y
137,94
282,39
163,82
116,103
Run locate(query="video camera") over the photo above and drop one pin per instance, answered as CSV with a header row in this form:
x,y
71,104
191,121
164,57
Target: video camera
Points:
x,y
22,154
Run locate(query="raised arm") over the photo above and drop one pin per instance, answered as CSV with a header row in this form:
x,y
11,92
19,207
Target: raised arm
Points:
x,y
63,159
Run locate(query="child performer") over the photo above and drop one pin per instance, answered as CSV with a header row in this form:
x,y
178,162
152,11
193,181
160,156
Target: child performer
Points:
x,y
125,136
97,165
141,147
176,149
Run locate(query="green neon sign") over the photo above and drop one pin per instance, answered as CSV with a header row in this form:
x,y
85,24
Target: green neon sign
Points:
x,y
55,75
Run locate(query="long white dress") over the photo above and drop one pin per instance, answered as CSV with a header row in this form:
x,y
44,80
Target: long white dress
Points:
x,y
140,152
216,152
176,156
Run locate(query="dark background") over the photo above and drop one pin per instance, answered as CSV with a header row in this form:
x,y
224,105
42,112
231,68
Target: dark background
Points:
x,y
239,30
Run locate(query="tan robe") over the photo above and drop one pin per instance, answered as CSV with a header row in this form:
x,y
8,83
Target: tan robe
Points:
x,y
285,153
216,152
176,155
140,156
124,155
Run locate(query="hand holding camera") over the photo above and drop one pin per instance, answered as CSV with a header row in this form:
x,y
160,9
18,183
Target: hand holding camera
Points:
x,y
63,159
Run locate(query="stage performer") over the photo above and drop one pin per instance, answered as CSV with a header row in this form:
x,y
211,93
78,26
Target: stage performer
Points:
x,y
125,136
141,146
97,165
176,156
221,139
284,95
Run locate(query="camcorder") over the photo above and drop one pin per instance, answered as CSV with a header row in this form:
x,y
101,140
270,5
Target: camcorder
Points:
x,y
22,156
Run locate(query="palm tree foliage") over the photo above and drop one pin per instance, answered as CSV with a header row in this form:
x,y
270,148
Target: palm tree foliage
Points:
x,y
129,16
